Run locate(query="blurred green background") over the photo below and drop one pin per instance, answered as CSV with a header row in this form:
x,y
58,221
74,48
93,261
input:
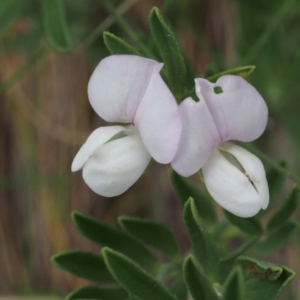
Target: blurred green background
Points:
x,y
45,117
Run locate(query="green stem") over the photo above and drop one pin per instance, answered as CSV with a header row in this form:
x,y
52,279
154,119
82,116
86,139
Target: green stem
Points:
x,y
274,164
265,35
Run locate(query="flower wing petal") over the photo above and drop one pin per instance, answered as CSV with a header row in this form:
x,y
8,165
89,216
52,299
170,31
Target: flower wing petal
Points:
x,y
199,137
239,112
118,84
254,169
158,120
230,187
115,166
97,138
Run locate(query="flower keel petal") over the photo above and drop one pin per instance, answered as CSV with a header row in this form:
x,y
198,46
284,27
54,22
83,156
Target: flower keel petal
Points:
x,y
115,166
96,139
230,187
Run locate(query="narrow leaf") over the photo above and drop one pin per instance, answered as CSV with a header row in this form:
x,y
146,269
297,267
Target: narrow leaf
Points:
x,y
275,180
55,24
116,45
248,225
285,210
185,188
104,235
170,52
83,264
203,247
277,238
179,289
265,280
240,250
133,278
152,233
92,292
234,287
198,284
240,71
9,9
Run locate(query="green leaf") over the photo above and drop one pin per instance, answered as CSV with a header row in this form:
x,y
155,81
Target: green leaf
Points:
x,y
285,210
277,238
248,225
275,179
234,287
152,233
185,188
116,45
265,280
170,52
104,235
133,278
9,9
55,24
179,289
83,264
203,246
170,270
92,292
198,284
240,250
240,71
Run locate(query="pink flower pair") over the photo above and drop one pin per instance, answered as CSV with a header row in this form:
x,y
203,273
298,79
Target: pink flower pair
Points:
x,y
129,89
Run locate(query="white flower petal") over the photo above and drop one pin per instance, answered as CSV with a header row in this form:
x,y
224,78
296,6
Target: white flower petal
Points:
x,y
97,138
254,168
198,139
118,84
158,120
240,113
230,187
115,166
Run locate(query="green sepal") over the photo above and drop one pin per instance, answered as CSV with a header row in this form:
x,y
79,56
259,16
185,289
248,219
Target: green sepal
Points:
x,y
170,52
185,188
248,225
197,282
264,280
104,235
116,45
133,278
240,71
55,24
152,233
277,238
203,247
234,285
240,250
285,210
179,289
83,264
9,10
92,292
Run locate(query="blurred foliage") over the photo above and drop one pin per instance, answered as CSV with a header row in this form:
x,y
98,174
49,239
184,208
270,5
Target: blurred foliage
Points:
x,y
45,118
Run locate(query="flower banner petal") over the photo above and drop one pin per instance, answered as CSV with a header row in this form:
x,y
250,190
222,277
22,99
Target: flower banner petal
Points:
x,y
198,139
115,166
158,120
118,84
97,138
230,187
254,168
239,111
